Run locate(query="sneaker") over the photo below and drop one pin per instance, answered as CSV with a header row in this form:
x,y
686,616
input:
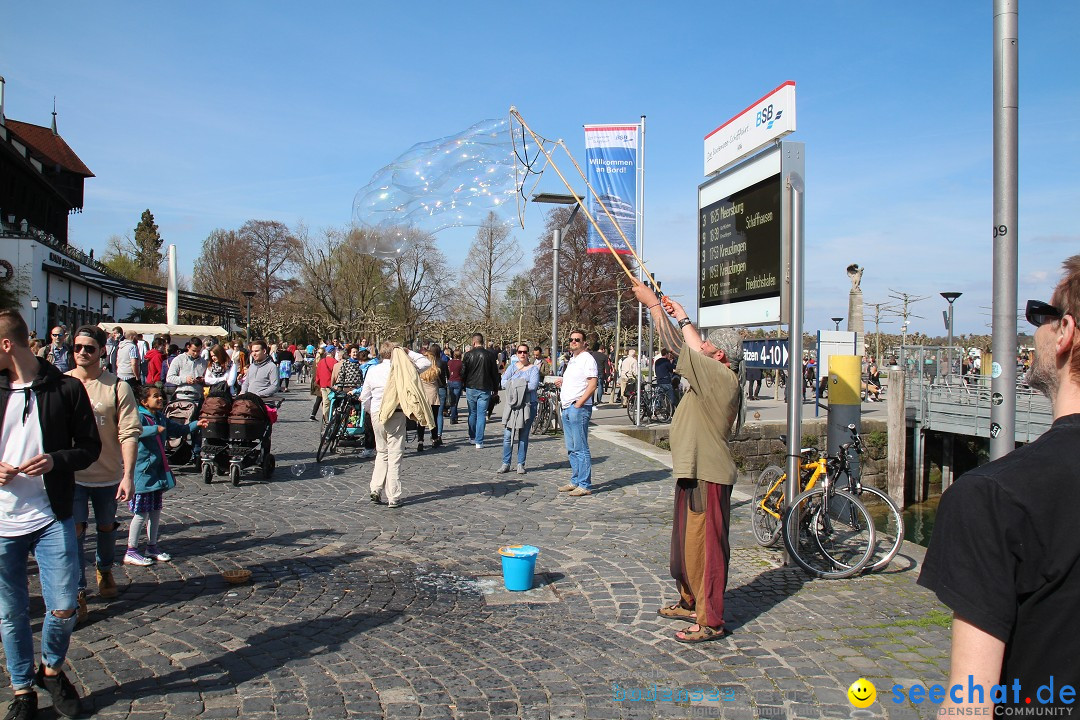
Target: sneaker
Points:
x,y
106,585
152,551
520,469
579,492
65,697
420,447
376,498
22,707
82,612
568,488
479,446
394,505
504,468
311,418
134,557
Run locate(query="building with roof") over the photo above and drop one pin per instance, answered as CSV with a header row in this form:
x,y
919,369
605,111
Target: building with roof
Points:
x,y
41,185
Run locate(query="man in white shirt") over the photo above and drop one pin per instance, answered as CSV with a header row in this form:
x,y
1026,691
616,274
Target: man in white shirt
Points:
x,y
629,369
577,385
47,433
389,437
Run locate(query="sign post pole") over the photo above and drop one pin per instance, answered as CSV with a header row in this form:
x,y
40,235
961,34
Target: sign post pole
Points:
x,y
795,188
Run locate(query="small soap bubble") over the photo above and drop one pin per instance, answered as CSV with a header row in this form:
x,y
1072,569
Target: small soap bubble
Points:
x,y
326,472
299,469
455,181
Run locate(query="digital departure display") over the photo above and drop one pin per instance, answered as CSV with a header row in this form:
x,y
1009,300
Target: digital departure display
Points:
x,y
740,246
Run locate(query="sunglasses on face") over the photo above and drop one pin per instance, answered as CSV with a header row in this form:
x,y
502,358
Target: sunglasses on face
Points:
x,y
89,349
58,334
577,340
1039,313
522,352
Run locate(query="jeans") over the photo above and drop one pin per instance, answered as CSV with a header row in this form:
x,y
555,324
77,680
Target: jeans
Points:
x,y
453,390
576,434
56,551
478,401
666,388
523,439
438,415
103,498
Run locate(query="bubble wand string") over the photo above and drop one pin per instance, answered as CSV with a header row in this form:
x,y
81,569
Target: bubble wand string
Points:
x,y
514,112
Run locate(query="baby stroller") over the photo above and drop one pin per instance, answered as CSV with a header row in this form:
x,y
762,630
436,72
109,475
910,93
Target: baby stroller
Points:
x,y
250,433
179,450
214,455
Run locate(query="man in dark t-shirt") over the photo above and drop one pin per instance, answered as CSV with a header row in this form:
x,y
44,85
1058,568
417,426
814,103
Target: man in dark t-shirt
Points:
x,y
1005,554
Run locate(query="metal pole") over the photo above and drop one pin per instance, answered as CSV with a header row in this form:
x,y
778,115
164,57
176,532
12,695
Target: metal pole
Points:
x,y
556,243
640,249
618,335
948,372
794,409
1006,168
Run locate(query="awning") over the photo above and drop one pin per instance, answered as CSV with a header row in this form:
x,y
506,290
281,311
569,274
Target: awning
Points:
x,y
176,331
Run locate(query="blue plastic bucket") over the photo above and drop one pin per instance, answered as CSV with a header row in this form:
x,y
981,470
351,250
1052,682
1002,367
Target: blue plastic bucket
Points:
x,y
518,563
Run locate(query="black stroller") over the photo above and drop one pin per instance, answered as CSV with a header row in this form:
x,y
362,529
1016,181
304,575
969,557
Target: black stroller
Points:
x,y
244,443
214,455
179,449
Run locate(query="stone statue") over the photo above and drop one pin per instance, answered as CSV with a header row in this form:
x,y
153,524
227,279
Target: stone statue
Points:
x,y
854,273
855,299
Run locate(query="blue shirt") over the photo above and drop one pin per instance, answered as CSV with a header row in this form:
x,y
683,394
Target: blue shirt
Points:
x,y
531,373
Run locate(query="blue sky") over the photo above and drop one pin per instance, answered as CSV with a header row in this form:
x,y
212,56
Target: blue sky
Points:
x,y
211,114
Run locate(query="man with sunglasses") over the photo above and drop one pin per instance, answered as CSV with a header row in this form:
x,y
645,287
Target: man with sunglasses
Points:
x,y
110,479
702,465
1005,554
577,386
58,352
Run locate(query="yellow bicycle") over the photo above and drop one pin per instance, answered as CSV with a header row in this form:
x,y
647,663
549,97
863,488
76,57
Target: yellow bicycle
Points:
x,y
826,529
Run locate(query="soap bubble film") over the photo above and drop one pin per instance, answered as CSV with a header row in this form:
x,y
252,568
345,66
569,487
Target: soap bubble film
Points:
x,y
451,182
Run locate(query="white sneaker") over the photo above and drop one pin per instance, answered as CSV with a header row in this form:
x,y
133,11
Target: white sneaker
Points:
x,y
479,446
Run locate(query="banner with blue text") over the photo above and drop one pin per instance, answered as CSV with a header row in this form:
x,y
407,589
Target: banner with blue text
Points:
x,y
611,155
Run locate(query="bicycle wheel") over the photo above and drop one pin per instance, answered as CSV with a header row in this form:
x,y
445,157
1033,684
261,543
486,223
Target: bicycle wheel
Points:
x,y
767,507
661,407
543,418
888,526
330,433
631,405
831,543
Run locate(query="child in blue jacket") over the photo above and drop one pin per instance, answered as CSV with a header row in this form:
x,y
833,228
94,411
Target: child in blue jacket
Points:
x,y
152,475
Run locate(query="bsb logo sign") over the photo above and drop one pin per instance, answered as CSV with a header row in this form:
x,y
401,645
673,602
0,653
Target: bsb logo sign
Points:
x,y
770,118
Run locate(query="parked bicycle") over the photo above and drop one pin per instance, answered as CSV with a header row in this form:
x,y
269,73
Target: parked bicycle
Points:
x,y
827,529
655,405
547,408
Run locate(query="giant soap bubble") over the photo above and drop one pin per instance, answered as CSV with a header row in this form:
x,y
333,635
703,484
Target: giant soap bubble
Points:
x,y
455,181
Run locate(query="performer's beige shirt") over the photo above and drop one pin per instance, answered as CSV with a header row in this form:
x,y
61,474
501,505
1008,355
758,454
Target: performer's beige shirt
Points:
x,y
701,428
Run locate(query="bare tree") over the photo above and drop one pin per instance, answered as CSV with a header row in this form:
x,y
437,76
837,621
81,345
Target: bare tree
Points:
x,y
339,276
272,249
417,284
224,266
587,281
491,260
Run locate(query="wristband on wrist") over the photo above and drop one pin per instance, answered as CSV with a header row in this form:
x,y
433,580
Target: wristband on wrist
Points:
x,y
652,306
684,322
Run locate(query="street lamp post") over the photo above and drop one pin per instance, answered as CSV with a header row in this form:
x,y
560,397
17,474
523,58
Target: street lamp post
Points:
x,y
34,302
837,321
248,294
951,297
556,243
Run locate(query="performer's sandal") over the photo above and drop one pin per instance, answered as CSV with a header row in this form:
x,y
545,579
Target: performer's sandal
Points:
x,y
677,612
704,633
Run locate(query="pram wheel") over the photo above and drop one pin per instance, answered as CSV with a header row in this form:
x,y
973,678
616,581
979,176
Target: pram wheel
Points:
x,y
207,472
234,475
268,466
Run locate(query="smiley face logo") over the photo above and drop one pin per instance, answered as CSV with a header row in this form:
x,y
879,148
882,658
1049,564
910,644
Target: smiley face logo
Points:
x,y
862,693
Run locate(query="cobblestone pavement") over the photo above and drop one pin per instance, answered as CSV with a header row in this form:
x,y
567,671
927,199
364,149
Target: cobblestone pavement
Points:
x,y
360,611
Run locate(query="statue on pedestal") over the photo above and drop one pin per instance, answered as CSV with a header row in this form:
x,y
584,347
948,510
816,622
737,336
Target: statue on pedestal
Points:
x,y
855,298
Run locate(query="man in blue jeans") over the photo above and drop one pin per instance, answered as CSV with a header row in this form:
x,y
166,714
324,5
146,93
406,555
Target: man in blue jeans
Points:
x,y
577,385
48,433
480,371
